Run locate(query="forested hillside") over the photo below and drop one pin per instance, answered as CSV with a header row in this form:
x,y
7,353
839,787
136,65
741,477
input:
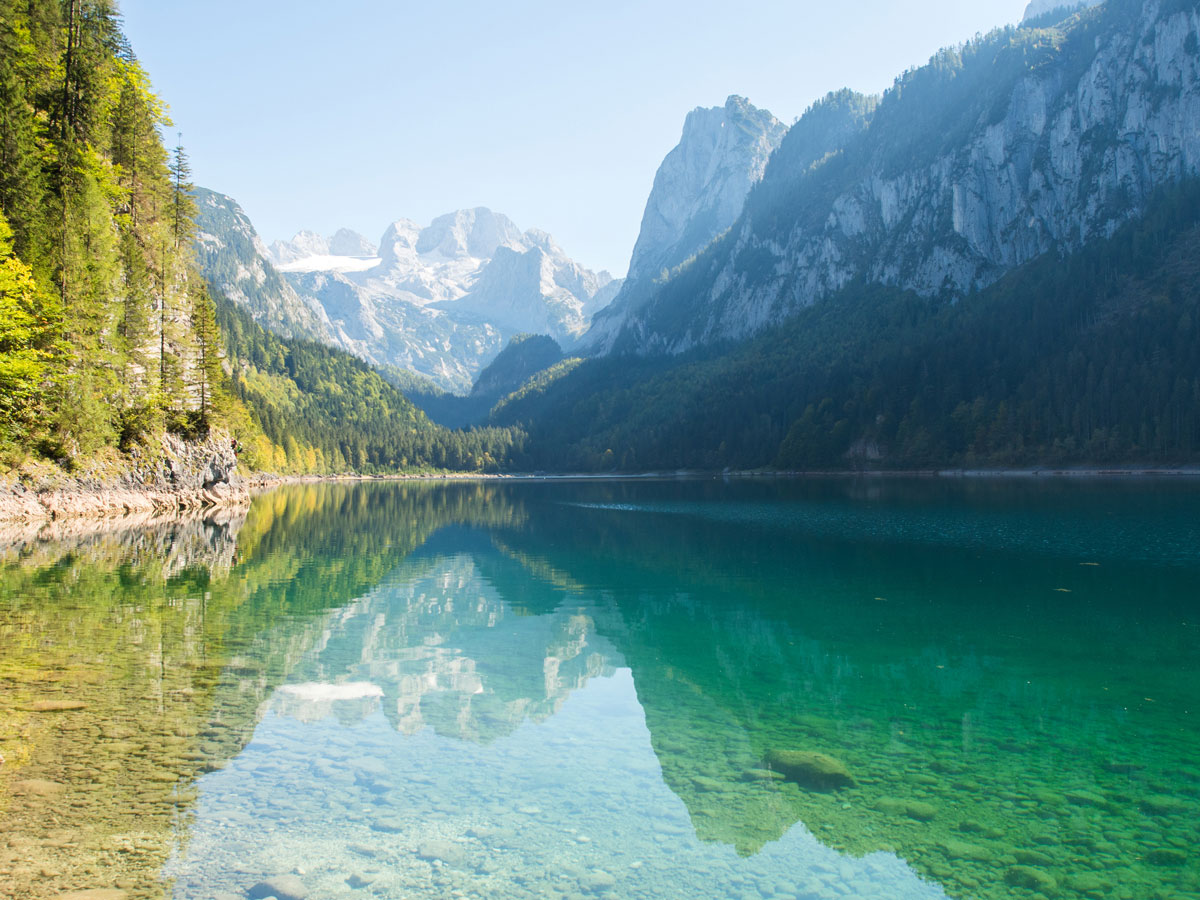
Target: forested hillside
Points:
x,y
1092,358
325,411
106,333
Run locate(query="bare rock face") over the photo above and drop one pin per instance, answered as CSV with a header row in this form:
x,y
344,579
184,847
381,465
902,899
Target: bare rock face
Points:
x,y
698,193
702,184
182,475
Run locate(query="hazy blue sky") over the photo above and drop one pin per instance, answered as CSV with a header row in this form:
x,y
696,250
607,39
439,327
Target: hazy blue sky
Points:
x,y
358,112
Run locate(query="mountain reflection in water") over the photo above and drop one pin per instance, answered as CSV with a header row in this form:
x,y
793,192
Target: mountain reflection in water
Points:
x,y
528,690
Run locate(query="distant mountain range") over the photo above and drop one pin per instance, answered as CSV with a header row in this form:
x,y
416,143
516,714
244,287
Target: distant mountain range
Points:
x,y
440,301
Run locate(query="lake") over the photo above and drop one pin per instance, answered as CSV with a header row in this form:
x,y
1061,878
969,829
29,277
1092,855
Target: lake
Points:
x,y
649,689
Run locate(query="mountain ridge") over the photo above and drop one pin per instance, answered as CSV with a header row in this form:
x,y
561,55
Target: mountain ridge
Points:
x,y
1018,143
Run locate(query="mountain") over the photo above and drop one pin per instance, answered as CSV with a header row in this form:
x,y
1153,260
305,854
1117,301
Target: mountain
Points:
x,y
1038,8
1023,142
991,265
524,357
698,193
236,265
443,300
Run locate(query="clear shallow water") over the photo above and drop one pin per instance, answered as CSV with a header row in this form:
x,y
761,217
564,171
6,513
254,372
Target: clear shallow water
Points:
x,y
562,690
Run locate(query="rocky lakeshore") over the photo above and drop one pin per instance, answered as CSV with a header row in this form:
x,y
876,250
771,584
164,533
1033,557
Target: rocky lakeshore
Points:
x,y
176,475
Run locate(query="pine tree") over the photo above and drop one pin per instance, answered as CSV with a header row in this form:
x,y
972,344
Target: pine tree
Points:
x,y
208,372
183,207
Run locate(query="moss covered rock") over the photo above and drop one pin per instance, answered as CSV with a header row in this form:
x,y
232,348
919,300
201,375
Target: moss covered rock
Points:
x,y
815,771
1031,878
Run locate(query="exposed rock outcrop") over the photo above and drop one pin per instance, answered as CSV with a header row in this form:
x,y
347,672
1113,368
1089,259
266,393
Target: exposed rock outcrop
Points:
x,y
698,193
178,476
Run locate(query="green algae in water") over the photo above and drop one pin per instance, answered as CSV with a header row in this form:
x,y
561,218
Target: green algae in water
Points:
x,y
528,690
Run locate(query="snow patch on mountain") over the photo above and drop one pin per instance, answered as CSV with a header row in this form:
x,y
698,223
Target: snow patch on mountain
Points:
x,y
330,263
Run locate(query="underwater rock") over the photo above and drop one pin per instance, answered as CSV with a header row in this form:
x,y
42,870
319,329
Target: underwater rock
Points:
x,y
921,811
1123,768
95,894
281,887
38,787
1031,878
597,881
446,851
964,850
54,706
1161,804
1032,858
762,775
1086,798
913,809
815,771
1166,856
388,825
1087,883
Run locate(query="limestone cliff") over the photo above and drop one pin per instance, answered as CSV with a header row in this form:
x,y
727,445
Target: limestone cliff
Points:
x,y
1024,142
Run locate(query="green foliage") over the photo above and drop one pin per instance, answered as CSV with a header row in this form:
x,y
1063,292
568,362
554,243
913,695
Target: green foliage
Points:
x,y
524,357
27,321
323,410
96,217
1091,359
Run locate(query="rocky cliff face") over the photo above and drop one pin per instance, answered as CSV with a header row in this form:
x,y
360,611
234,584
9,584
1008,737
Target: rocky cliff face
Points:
x,y
235,263
1024,142
698,193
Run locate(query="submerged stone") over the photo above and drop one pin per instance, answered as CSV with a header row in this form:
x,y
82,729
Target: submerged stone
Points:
x,y
964,850
446,851
388,825
815,771
55,706
1032,858
913,809
1161,804
1123,768
1031,878
921,811
1166,856
762,775
1088,883
281,887
1086,798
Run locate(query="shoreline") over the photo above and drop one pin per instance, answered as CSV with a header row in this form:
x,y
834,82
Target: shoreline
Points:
x,y
84,500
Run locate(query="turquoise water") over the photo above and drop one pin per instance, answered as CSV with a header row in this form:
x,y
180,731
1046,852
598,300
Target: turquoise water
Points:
x,y
685,689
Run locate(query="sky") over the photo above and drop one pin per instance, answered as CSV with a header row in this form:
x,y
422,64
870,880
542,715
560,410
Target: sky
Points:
x,y
355,113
